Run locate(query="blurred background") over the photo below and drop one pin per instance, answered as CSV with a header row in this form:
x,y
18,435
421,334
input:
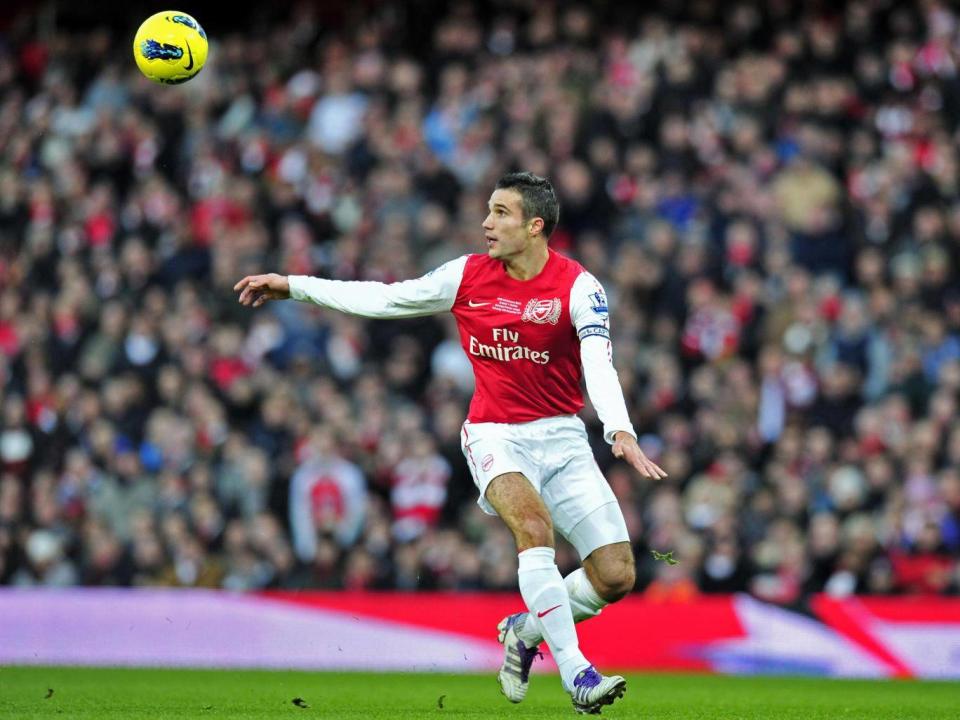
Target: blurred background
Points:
x,y
768,191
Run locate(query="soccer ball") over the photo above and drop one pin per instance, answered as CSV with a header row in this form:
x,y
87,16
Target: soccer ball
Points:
x,y
170,47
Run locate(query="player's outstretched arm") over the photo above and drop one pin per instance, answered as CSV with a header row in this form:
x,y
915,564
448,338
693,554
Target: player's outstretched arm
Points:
x,y
626,448
255,290
433,293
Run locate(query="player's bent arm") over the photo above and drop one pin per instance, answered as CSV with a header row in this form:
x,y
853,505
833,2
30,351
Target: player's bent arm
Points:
x,y
591,319
433,293
603,387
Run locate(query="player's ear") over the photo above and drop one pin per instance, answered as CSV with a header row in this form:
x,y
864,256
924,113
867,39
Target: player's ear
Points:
x,y
535,226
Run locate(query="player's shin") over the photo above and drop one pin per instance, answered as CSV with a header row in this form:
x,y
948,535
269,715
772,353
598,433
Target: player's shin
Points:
x,y
546,597
585,603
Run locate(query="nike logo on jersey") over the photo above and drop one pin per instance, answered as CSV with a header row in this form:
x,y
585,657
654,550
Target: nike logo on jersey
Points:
x,y
547,612
471,303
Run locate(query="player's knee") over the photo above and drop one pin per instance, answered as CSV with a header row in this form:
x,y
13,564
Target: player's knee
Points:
x,y
616,581
534,531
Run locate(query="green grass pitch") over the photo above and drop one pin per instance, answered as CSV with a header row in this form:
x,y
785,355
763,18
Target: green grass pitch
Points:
x,y
104,694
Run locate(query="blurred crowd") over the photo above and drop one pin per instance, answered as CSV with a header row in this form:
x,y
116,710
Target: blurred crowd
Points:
x,y
768,191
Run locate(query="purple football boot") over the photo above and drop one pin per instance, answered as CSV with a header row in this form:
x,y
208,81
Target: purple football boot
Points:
x,y
514,675
591,691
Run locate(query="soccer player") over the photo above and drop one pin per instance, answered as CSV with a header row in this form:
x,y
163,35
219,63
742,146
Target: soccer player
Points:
x,y
532,322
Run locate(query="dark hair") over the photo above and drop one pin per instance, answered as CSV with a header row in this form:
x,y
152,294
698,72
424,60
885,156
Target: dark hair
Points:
x,y
537,195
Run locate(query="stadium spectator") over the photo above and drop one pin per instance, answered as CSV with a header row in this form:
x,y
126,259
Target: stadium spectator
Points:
x,y
327,497
768,195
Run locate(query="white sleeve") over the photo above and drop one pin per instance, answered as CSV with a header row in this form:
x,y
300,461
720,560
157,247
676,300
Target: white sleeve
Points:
x,y
591,318
433,293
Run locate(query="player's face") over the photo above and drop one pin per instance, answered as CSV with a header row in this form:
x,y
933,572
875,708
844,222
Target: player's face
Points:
x,y
506,231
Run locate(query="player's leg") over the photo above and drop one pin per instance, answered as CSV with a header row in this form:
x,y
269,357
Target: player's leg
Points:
x,y
491,453
608,571
599,538
585,512
517,502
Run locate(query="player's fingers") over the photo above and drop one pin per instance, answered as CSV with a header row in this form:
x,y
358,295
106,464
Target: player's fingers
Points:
x,y
656,470
651,469
648,464
254,288
242,284
636,461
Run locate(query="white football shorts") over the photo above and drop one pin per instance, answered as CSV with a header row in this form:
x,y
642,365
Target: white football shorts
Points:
x,y
554,455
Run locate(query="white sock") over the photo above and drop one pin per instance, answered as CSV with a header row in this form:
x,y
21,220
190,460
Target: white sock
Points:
x,y
546,598
585,603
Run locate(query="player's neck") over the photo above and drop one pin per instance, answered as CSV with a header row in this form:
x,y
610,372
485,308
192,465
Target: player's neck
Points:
x,y
528,264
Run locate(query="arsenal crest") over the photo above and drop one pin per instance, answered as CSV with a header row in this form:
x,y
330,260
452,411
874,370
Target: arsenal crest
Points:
x,y
542,311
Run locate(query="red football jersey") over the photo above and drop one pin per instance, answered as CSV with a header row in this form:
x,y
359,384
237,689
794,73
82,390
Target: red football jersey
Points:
x,y
520,340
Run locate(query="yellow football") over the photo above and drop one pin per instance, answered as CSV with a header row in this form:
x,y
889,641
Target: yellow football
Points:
x,y
170,47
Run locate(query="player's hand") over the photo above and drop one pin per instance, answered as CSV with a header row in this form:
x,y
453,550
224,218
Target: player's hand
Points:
x,y
625,447
255,290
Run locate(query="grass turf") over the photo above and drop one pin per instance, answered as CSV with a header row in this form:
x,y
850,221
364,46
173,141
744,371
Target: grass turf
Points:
x,y
80,693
